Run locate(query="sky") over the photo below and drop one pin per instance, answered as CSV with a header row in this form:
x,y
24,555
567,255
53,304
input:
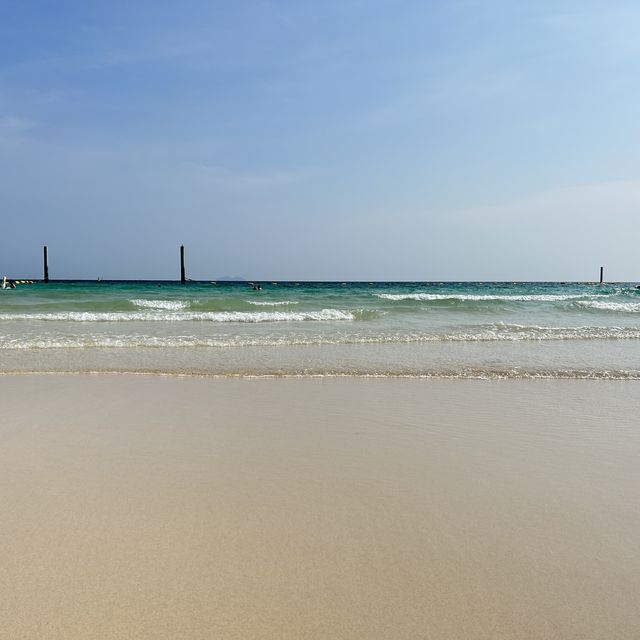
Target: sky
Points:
x,y
348,140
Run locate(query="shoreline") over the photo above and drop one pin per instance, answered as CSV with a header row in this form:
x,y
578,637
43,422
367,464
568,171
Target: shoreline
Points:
x,y
187,507
582,376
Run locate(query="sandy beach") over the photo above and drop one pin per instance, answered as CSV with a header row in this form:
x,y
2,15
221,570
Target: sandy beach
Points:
x,y
139,506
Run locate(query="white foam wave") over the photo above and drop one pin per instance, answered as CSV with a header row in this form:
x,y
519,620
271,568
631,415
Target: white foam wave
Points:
x,y
170,305
271,304
499,332
516,332
476,297
628,307
182,316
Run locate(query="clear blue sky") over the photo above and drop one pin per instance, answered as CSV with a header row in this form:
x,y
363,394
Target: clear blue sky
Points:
x,y
320,140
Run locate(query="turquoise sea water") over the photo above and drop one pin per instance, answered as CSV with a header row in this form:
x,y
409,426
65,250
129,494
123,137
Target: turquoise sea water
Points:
x,y
480,329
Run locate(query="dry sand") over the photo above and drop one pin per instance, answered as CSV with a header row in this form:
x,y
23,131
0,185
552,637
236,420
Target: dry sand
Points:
x,y
142,507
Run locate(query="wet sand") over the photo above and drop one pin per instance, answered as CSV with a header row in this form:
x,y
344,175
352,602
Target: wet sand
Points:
x,y
162,507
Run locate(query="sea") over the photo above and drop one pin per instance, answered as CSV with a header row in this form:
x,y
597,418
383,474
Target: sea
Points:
x,y
479,330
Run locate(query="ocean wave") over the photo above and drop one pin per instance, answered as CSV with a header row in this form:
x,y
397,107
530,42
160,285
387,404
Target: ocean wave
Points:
x,y
479,298
516,332
169,305
271,304
484,333
626,307
182,316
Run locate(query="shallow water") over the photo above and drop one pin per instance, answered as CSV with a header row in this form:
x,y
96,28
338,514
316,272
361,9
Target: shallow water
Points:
x,y
478,329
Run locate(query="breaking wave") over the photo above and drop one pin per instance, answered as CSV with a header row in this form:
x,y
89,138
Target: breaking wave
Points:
x,y
169,305
283,303
626,307
478,298
203,316
482,333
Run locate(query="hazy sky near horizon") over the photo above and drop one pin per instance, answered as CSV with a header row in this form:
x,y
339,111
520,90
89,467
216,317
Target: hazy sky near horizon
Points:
x,y
345,139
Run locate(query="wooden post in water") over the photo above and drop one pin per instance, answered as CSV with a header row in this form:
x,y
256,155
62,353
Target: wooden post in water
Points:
x,y
182,275
601,275
46,263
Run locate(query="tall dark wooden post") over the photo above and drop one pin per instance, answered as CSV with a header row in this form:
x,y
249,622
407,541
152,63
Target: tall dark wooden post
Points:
x,y
601,275
182,275
46,263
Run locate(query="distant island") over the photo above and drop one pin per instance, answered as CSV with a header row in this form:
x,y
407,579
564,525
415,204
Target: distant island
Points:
x,y
232,278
